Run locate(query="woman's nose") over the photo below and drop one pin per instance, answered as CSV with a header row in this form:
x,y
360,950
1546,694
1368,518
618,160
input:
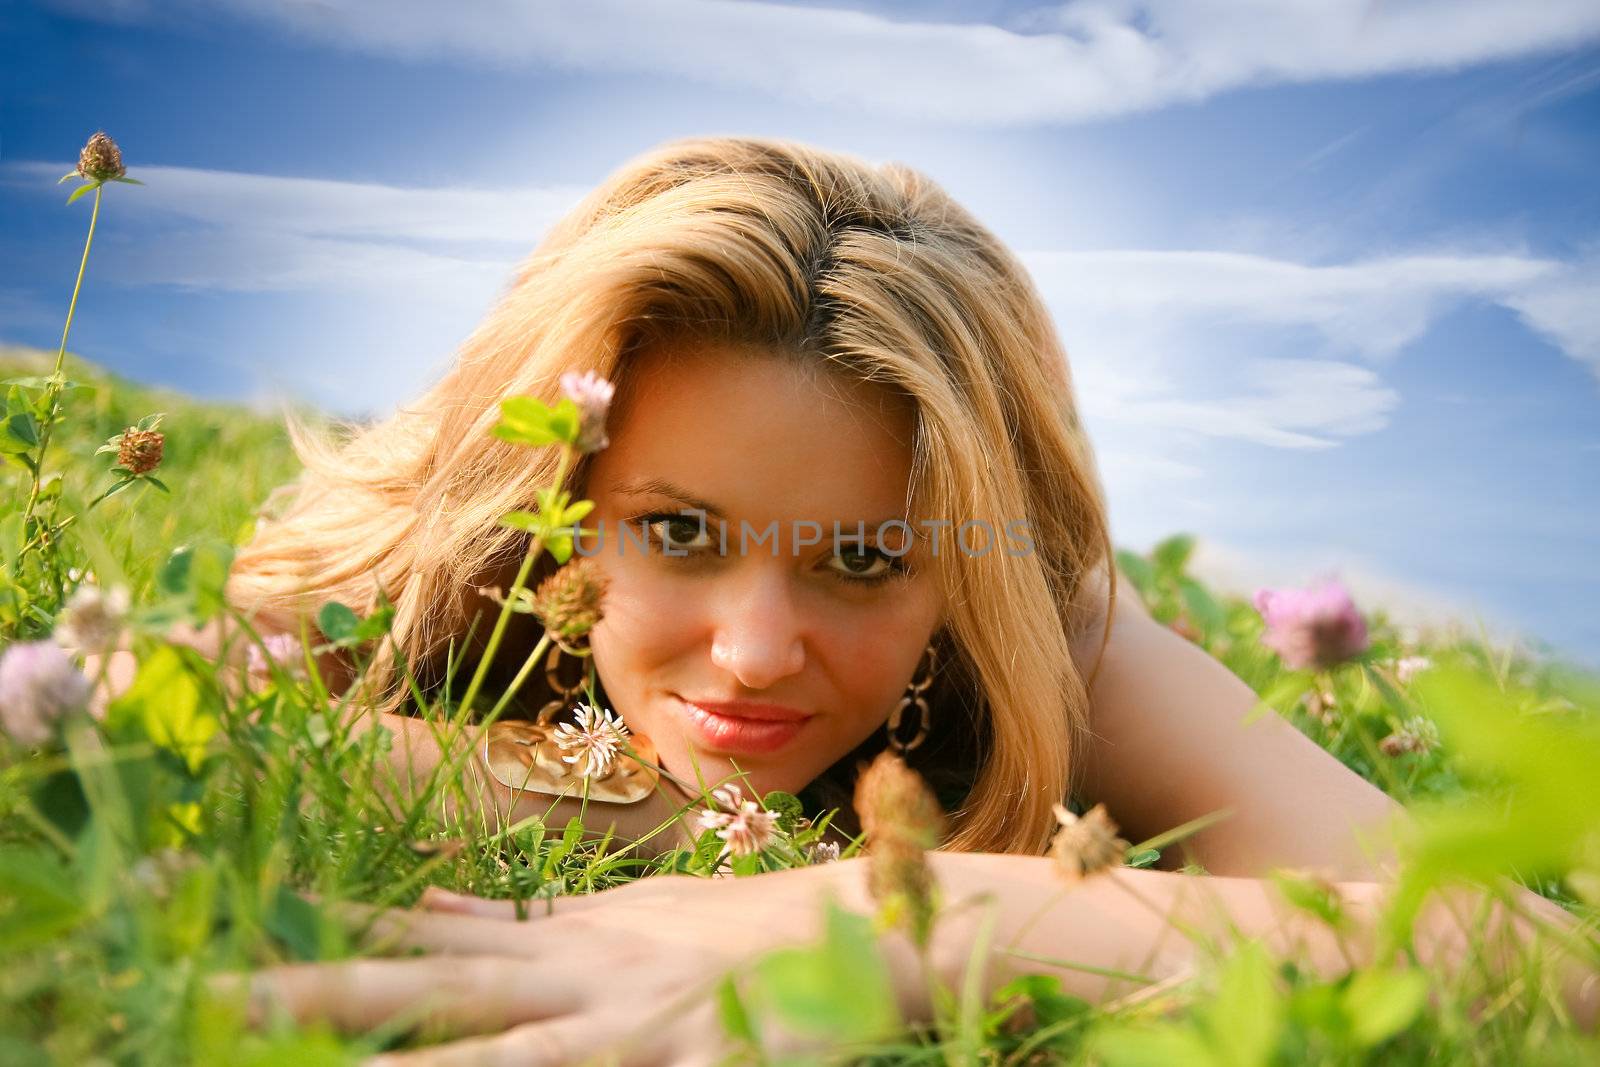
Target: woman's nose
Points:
x,y
759,634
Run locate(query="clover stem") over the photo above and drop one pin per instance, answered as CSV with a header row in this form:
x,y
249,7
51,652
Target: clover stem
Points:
x,y
522,676
53,388
504,619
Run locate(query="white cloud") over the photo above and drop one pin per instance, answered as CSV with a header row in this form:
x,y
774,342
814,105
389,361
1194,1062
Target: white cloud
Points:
x,y
1069,62
1567,311
1295,403
1178,345
258,232
1372,308
1176,354
357,209
1169,348
380,282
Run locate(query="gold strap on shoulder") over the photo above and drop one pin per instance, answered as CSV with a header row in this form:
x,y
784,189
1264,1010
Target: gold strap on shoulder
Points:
x,y
524,757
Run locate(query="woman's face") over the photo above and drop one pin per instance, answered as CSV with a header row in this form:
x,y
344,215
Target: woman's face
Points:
x,y
780,655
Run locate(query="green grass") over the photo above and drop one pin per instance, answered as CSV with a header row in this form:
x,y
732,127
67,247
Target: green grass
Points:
x,y
221,460
179,838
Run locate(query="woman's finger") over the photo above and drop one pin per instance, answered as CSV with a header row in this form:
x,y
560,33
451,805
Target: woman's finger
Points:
x,y
564,1043
454,934
458,994
386,929
443,900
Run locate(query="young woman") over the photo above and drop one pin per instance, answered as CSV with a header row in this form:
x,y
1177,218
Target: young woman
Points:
x,y
799,339
799,336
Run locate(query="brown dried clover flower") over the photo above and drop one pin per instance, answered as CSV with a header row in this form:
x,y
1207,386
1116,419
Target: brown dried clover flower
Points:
x,y
903,820
140,450
1086,844
101,159
569,601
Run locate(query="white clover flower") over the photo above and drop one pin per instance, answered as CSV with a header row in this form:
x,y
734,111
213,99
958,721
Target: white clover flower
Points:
x,y
727,796
744,827
39,684
730,796
711,819
595,740
92,620
751,831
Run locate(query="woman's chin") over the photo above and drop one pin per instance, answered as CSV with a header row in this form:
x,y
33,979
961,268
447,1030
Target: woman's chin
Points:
x,y
690,765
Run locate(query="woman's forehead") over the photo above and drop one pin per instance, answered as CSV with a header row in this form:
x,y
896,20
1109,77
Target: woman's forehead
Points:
x,y
729,374
756,423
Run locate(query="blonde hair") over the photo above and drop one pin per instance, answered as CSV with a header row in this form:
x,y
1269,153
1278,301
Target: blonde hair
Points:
x,y
870,269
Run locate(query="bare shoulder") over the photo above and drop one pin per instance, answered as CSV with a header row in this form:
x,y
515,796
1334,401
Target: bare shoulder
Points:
x,y
1172,737
1096,647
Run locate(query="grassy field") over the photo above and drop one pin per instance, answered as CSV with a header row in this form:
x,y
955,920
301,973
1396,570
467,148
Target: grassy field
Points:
x,y
221,461
179,837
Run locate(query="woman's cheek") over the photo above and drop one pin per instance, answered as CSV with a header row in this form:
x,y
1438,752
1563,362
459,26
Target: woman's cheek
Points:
x,y
643,628
868,675
641,598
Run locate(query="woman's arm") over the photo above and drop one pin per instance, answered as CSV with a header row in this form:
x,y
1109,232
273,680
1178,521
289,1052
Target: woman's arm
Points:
x,y
651,950
1161,924
1170,744
486,804
416,755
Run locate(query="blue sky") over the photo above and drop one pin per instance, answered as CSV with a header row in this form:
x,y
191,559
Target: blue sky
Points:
x,y
1328,272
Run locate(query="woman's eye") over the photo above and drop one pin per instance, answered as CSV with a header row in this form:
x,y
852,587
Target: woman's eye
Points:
x,y
677,532
865,564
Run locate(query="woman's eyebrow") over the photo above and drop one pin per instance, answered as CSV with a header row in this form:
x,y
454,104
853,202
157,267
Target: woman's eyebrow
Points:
x,y
650,486
662,487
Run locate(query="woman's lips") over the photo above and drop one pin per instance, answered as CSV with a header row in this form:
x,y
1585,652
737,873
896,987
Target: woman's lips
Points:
x,y
736,729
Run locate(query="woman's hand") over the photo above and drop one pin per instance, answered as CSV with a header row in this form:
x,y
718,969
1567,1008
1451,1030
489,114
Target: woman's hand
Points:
x,y
628,971
632,970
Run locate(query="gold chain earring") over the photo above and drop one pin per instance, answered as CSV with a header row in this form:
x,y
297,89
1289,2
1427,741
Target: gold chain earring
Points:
x,y
916,695
565,694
